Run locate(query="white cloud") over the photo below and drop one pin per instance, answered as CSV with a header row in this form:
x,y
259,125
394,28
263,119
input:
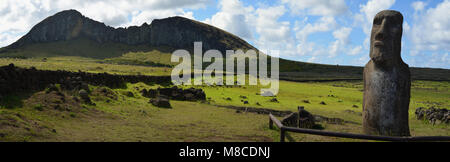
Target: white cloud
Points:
x,y
324,24
273,34
233,17
317,7
418,5
355,51
431,31
341,35
17,17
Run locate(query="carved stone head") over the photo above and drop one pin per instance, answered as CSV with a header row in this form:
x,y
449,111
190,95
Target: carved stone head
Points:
x,y
386,38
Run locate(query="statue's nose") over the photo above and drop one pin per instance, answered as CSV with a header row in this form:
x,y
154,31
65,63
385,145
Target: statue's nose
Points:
x,y
381,33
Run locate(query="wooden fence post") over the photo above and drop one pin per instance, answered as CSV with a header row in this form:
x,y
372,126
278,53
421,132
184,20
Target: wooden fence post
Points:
x,y
282,134
270,123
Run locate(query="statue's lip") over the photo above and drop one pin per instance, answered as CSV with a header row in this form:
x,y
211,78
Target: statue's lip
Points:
x,y
378,43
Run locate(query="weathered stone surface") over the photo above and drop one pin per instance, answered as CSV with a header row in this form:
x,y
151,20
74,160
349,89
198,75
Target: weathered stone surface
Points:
x,y
433,115
386,79
176,93
15,80
161,101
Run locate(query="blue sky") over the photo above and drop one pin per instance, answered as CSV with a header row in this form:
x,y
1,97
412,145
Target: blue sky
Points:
x,y
319,31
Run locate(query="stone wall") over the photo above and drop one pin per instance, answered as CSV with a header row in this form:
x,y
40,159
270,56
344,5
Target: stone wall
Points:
x,y
14,79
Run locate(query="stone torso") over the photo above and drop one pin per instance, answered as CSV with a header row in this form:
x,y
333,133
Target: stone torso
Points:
x,y
385,103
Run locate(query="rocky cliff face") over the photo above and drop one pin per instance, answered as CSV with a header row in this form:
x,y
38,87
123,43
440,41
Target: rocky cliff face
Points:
x,y
176,32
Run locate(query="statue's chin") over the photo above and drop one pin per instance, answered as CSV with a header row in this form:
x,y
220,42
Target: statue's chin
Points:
x,y
378,59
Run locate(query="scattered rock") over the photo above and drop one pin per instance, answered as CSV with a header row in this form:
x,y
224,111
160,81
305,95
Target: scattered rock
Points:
x,y
323,103
176,93
243,97
161,101
129,94
306,101
105,92
274,100
433,115
353,112
355,106
246,102
84,95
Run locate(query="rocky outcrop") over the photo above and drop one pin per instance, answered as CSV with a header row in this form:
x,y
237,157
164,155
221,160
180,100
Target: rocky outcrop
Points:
x,y
176,32
161,101
433,115
176,93
15,80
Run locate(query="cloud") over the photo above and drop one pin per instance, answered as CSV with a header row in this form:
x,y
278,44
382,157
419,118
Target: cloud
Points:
x,y
17,17
273,34
342,40
317,7
355,51
418,5
342,34
431,30
233,17
324,24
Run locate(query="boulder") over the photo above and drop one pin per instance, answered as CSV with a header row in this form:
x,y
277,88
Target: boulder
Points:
x,y
274,100
84,95
161,101
433,115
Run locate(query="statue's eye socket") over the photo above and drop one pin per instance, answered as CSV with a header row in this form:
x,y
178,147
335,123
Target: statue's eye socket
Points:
x,y
377,21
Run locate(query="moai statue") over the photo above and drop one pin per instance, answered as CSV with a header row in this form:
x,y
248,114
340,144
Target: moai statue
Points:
x,y
387,80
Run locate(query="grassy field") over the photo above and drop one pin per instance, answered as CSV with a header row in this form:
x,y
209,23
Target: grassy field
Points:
x,y
34,117
73,63
134,119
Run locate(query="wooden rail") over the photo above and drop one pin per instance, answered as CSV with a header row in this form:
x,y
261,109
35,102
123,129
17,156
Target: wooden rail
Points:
x,y
284,129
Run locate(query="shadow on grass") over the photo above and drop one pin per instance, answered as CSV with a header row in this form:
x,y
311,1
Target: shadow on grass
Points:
x,y
12,101
291,139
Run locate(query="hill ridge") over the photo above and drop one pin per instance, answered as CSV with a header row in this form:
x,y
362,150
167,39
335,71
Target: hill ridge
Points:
x,y
177,32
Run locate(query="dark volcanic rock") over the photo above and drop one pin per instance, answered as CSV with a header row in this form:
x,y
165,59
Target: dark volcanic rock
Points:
x,y
16,80
161,101
84,95
433,115
176,93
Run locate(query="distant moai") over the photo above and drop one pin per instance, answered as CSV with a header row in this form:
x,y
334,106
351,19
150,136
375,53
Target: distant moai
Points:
x,y
387,79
